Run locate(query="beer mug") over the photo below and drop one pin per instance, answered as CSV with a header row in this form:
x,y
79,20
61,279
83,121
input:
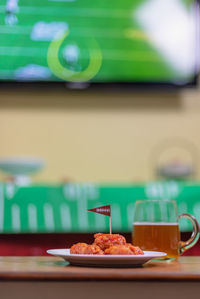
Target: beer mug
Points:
x,y
156,227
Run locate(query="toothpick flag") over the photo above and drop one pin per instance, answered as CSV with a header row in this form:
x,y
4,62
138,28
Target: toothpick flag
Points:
x,y
104,210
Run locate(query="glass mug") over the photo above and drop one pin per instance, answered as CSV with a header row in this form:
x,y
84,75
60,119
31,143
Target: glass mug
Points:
x,y
156,228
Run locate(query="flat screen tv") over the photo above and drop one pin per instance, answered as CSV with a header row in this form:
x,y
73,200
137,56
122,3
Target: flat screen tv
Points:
x,y
100,41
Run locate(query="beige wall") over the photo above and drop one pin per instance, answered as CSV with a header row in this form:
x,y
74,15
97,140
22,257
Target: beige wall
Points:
x,y
99,136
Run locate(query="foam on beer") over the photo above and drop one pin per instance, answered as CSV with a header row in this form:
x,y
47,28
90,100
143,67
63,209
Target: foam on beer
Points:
x,y
155,223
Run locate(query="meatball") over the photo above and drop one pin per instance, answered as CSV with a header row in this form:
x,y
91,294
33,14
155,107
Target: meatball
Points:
x,y
78,248
136,250
127,249
106,240
83,248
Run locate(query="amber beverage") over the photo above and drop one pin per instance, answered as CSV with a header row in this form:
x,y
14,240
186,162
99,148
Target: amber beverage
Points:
x,y
152,236
156,228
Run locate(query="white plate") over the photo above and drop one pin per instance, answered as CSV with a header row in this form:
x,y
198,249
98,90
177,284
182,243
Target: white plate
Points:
x,y
106,260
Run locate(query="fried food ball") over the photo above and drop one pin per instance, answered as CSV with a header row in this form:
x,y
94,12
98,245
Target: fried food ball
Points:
x,y
83,248
93,249
78,248
137,250
127,249
106,240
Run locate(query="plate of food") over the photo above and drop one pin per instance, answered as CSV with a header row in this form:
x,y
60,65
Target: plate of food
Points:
x,y
107,250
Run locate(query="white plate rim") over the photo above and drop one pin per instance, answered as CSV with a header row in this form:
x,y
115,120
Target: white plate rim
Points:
x,y
65,253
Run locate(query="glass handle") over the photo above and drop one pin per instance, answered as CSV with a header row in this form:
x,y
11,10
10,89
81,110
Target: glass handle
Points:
x,y
183,246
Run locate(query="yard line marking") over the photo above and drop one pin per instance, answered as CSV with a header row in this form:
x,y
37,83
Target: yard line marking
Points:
x,y
1,208
130,213
116,219
15,212
32,217
65,217
107,54
48,217
10,190
196,210
100,223
82,207
81,31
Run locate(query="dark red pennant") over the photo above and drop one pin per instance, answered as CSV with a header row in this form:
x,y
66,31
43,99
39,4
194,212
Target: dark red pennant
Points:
x,y
105,210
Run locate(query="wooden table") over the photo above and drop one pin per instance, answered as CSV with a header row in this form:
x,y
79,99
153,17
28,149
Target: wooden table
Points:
x,y
51,277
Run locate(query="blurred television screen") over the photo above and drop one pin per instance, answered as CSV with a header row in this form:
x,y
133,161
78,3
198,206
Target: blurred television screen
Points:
x,y
115,41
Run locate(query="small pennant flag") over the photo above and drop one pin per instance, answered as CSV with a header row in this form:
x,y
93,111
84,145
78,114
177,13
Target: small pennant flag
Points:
x,y
104,210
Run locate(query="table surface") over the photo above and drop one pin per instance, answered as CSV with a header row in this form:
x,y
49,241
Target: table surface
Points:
x,y
53,268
